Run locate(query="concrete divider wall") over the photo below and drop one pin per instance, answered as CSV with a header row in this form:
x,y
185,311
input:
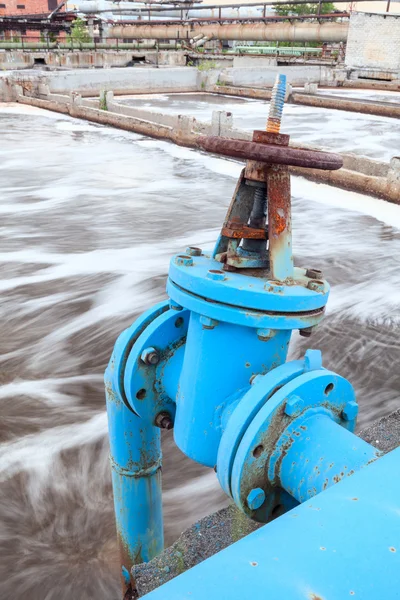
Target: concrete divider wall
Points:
x,y
139,113
128,80
171,79
265,76
85,59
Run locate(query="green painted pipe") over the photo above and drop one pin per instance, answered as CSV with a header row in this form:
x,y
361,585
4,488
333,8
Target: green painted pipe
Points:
x,y
84,46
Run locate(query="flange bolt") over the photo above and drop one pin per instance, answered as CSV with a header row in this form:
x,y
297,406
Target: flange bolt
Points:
x,y
150,356
314,274
163,420
294,405
306,332
216,275
193,251
316,285
350,411
255,499
184,260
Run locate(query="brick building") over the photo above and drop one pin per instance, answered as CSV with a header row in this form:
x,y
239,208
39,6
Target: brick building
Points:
x,y
35,10
27,7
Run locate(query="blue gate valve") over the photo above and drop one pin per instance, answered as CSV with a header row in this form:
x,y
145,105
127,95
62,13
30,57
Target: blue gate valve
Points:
x,y
211,363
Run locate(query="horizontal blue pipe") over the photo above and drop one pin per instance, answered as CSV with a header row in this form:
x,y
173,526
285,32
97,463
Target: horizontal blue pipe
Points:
x,y
319,453
342,544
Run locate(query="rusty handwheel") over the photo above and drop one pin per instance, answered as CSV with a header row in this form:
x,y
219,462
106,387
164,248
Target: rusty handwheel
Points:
x,y
272,149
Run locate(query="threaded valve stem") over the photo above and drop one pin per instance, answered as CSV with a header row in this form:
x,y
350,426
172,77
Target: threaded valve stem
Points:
x,y
276,105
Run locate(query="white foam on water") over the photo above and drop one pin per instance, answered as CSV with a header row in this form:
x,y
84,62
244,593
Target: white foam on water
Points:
x,y
348,201
45,390
35,452
25,109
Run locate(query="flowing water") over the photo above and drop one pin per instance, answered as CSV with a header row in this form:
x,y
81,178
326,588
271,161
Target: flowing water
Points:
x,y
89,218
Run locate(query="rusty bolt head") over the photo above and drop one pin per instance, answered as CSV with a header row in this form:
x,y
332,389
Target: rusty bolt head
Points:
x,y
184,260
274,287
255,498
175,305
193,251
306,332
163,420
314,274
294,405
316,285
150,356
265,334
216,275
350,411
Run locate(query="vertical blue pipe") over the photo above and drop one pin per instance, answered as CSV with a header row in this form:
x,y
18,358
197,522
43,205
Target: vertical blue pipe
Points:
x,y
135,455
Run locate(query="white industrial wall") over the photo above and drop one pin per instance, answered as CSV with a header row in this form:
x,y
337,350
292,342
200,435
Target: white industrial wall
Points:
x,y
374,41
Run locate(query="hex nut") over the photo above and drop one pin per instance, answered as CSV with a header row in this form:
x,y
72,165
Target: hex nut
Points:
x,y
306,332
314,274
274,286
193,251
293,406
255,498
316,285
164,421
350,411
208,323
312,360
184,260
150,356
174,305
216,275
265,334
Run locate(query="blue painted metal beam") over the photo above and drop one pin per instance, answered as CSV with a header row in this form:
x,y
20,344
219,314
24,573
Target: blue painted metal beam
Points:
x,y
343,543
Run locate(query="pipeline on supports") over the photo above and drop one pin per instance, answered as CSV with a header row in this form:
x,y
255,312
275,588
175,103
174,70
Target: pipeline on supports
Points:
x,y
281,32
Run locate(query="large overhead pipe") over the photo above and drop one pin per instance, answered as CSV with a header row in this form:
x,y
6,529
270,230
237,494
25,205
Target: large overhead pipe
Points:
x,y
271,32
192,11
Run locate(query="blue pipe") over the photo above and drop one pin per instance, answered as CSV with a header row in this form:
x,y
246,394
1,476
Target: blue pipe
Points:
x,y
320,454
135,456
211,373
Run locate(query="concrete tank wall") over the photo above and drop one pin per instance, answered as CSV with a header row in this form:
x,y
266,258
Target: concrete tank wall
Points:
x,y
132,80
265,76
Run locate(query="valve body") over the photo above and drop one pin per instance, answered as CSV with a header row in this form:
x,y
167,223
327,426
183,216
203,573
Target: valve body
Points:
x,y
212,362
